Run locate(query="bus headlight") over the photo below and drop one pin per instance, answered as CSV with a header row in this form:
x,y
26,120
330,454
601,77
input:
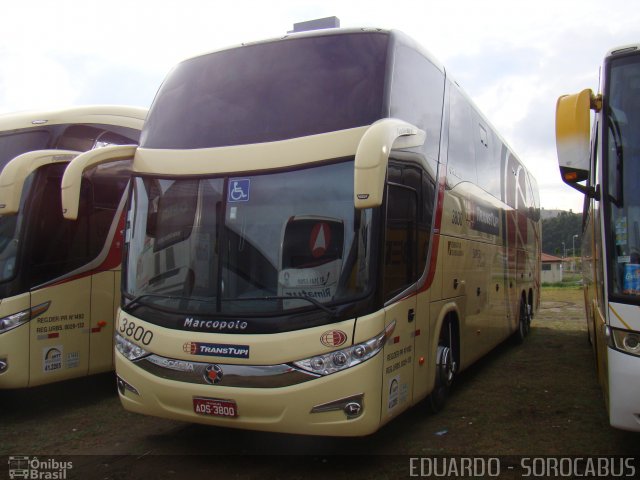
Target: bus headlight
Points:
x,y
15,320
626,341
129,349
347,357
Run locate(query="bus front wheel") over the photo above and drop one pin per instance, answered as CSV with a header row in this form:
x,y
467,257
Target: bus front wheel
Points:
x,y
445,371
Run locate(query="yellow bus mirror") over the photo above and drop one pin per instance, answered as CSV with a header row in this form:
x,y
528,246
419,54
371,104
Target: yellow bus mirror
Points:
x,y
15,173
372,157
572,136
72,178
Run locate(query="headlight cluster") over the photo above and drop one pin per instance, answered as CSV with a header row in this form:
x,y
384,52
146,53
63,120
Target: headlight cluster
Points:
x,y
15,320
626,341
129,349
347,357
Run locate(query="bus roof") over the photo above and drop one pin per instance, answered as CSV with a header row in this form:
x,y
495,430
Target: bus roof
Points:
x,y
125,116
331,31
634,47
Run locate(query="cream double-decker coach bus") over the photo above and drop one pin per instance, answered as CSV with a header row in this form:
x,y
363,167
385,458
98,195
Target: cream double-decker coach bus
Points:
x,y
603,162
322,231
59,279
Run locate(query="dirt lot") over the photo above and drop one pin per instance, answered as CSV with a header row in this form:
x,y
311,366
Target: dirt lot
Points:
x,y
540,398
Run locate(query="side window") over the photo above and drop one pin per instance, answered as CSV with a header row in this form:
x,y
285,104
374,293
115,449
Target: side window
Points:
x,y
400,239
14,144
461,165
417,178
78,137
59,246
417,93
487,145
83,138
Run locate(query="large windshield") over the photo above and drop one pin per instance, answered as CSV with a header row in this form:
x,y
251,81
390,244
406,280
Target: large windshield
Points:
x,y
622,161
247,245
270,91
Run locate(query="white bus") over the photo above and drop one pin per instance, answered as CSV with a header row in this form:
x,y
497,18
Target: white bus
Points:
x,y
322,231
59,279
606,170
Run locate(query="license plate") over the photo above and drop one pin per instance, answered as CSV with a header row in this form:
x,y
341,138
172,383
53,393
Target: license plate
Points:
x,y
215,407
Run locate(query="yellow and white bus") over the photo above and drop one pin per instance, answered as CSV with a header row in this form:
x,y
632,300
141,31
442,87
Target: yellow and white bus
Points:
x,y
322,231
606,169
59,279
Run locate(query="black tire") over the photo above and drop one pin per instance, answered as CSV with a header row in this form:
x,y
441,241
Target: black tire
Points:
x,y
524,322
446,368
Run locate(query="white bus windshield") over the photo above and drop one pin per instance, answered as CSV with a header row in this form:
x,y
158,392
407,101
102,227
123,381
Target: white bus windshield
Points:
x,y
270,91
623,170
253,244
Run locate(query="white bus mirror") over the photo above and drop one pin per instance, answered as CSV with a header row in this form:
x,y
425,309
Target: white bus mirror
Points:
x,y
372,157
72,179
572,136
15,173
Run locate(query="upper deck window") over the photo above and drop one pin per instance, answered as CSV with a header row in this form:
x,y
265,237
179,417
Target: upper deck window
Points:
x,y
270,91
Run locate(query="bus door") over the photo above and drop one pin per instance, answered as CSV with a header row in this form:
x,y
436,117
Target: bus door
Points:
x,y
400,271
104,200
74,265
30,189
59,339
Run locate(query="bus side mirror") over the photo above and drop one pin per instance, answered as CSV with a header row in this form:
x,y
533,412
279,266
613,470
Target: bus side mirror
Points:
x,y
372,157
573,137
72,178
17,170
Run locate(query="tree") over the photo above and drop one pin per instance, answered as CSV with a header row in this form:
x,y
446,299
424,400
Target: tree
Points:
x,y
559,230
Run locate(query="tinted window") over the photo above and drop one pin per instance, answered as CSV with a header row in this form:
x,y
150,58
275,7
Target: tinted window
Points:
x,y
59,246
488,146
83,138
270,91
417,96
400,240
15,144
462,156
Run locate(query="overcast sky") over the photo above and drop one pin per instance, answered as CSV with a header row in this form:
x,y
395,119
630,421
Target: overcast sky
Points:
x,y
514,58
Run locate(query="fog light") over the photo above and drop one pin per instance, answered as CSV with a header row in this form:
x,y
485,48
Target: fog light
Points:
x,y
4,365
352,406
123,386
632,343
353,409
624,340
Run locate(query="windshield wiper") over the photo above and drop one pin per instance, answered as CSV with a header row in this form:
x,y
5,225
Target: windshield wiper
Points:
x,y
614,126
138,299
315,302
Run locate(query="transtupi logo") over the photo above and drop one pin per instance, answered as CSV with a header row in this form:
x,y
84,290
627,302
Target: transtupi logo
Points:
x,y
216,349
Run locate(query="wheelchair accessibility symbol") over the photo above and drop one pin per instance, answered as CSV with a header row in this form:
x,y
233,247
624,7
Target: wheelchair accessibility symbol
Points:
x,y
239,190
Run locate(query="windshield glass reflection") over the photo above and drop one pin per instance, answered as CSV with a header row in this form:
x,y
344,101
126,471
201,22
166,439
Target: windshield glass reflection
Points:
x,y
254,244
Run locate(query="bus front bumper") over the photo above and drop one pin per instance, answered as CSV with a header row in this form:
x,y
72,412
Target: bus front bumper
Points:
x,y
624,390
14,358
347,403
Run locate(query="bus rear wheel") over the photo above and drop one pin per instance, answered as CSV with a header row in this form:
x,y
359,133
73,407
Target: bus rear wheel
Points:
x,y
524,322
